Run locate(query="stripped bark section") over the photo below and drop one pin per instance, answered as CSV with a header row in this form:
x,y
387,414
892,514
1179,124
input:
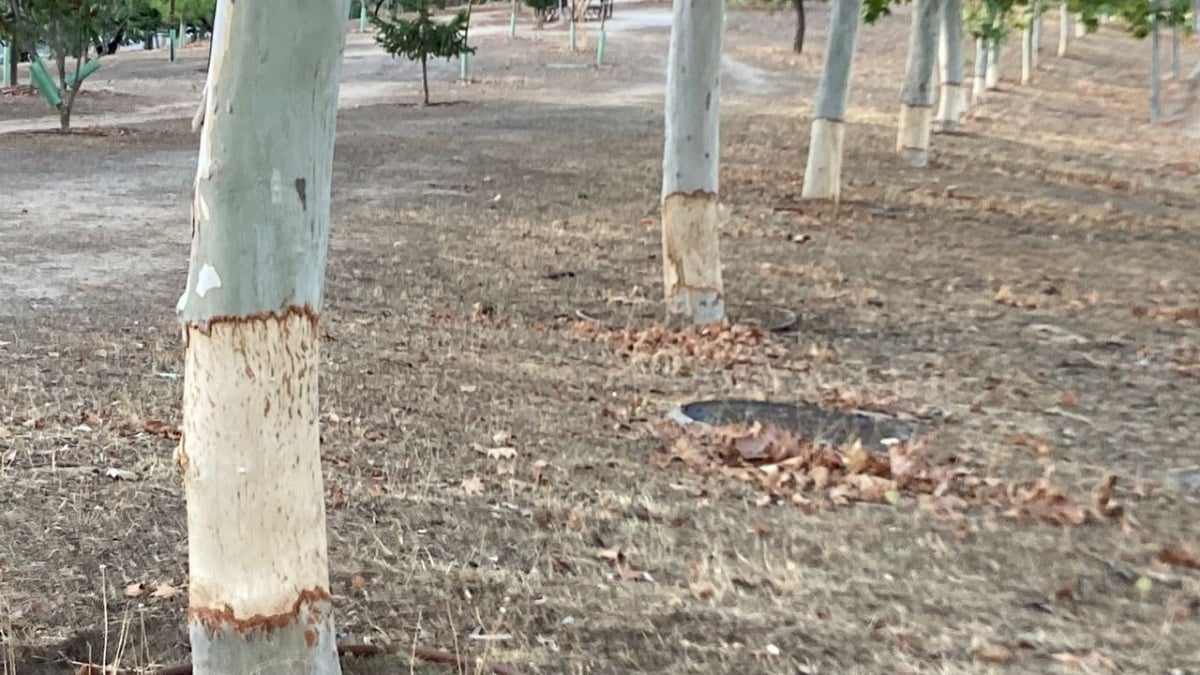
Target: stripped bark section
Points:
x,y
691,259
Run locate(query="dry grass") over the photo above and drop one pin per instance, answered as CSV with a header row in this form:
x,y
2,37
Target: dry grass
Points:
x,y
1022,292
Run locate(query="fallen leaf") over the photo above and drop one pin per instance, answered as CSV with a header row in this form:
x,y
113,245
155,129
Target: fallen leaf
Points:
x,y
1180,557
472,486
993,652
357,581
5,434
135,590
165,591
1068,399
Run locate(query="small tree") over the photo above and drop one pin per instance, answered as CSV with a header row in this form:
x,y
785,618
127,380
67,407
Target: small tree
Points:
x,y
420,38
70,28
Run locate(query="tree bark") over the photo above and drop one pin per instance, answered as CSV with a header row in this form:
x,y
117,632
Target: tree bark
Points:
x,y
1035,24
258,597
1027,53
992,78
1064,28
693,288
425,77
952,102
1174,52
1155,72
916,107
979,86
798,40
823,173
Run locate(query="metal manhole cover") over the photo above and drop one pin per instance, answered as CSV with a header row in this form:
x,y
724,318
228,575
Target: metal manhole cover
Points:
x,y
831,427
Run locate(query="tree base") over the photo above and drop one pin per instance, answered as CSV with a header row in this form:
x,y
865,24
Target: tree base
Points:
x,y
823,172
692,284
912,139
951,106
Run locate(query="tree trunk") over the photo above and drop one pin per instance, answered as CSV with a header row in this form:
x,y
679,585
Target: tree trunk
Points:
x,y
798,40
1064,28
1027,53
823,173
1155,73
1035,24
952,102
425,76
979,86
1175,52
258,597
992,79
916,107
64,118
693,289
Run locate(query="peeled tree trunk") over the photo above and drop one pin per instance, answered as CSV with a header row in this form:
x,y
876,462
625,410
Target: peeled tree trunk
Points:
x,y
979,86
992,79
692,283
823,173
1064,28
916,107
952,102
258,598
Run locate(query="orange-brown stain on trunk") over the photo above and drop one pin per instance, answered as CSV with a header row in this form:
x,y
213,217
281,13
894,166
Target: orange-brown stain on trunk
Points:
x,y
216,618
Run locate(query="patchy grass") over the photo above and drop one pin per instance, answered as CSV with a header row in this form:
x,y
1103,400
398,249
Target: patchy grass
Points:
x,y
489,453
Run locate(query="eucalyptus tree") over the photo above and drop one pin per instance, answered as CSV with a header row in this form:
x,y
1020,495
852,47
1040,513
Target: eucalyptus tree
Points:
x,y
823,172
259,599
693,288
916,98
952,100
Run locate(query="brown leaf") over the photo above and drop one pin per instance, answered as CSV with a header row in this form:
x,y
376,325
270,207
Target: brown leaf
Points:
x,y
1180,557
1068,399
135,590
993,652
357,581
165,591
164,429
1103,502
5,434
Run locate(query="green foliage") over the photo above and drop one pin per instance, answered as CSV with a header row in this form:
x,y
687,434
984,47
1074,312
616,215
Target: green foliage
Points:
x,y
420,37
195,13
541,5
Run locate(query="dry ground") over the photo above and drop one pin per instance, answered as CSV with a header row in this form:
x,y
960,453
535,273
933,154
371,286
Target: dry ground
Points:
x,y
1024,285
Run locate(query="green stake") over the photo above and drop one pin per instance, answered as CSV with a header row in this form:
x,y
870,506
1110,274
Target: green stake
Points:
x,y
600,47
171,36
512,22
362,17
8,59
571,37
464,66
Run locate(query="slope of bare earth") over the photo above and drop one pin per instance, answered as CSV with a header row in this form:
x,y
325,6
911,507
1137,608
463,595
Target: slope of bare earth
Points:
x,y
1032,296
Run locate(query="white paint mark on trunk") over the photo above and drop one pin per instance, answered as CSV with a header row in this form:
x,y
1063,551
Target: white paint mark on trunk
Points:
x,y
208,280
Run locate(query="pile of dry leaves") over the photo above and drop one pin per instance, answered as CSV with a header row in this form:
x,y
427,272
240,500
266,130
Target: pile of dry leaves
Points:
x,y
789,468
723,344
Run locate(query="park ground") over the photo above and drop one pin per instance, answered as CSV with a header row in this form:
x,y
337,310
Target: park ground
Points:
x,y
492,450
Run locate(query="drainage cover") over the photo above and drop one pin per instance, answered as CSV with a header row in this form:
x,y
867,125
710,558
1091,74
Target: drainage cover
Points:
x,y
831,427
